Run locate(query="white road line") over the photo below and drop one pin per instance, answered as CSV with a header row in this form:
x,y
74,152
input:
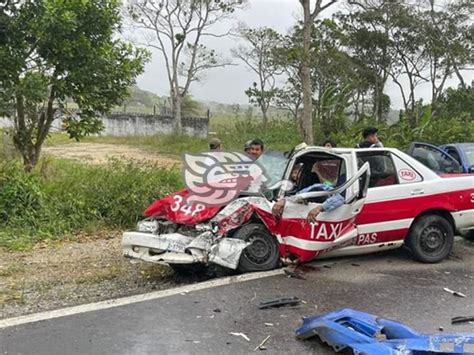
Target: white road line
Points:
x,y
36,317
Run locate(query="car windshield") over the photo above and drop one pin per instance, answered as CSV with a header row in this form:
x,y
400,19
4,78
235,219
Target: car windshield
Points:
x,y
273,165
469,150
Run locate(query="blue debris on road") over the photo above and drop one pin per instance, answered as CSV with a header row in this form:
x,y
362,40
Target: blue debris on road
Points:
x,y
367,334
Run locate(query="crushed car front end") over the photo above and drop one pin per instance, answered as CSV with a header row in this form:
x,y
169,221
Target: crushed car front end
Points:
x,y
161,241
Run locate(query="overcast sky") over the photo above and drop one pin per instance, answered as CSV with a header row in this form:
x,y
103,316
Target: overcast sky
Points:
x,y
227,85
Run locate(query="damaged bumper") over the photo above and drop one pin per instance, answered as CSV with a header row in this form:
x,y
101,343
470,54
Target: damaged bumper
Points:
x,y
176,248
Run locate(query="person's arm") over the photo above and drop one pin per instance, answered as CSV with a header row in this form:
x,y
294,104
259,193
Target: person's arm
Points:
x,y
333,202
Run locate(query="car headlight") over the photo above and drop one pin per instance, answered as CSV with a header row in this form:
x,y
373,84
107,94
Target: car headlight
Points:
x,y
148,226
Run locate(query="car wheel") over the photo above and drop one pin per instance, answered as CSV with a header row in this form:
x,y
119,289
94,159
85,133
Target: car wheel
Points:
x,y
431,238
262,254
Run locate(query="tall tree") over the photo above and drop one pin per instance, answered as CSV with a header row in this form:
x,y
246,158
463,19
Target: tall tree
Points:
x,y
309,16
448,36
51,50
176,28
367,39
258,56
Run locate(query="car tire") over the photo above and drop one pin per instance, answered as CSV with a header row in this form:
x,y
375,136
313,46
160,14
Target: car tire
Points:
x,y
262,254
431,238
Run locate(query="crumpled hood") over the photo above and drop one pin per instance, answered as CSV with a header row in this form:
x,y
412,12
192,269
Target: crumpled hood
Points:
x,y
174,209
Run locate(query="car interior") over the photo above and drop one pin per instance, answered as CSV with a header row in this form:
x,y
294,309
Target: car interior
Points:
x,y
317,168
382,168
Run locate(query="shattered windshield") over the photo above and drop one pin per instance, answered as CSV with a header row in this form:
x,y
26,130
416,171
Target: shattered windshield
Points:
x,y
273,164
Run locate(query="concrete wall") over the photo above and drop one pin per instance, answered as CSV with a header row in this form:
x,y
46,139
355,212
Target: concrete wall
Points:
x,y
56,126
139,124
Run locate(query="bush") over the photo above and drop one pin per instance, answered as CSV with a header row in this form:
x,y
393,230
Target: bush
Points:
x,y
61,197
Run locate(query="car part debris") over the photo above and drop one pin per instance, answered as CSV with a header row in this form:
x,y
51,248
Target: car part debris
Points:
x,y
240,335
293,274
459,320
455,293
367,334
261,345
280,302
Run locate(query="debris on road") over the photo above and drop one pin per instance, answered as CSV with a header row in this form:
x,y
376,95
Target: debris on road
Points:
x,y
462,319
279,302
261,345
240,335
365,333
269,324
293,274
455,293
217,310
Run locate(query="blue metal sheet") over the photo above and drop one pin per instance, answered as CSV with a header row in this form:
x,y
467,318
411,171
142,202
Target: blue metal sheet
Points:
x,y
371,335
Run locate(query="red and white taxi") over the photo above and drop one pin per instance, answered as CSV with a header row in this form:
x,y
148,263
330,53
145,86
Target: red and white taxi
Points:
x,y
390,200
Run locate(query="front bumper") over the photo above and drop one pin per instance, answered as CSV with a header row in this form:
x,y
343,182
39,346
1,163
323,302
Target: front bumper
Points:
x,y
176,248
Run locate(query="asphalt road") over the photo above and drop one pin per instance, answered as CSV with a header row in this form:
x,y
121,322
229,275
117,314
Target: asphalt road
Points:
x,y
389,284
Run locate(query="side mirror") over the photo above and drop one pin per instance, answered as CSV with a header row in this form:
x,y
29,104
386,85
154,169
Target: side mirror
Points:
x,y
471,169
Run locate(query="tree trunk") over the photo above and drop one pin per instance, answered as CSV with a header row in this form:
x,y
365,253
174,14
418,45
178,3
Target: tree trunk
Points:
x,y
178,125
264,115
307,119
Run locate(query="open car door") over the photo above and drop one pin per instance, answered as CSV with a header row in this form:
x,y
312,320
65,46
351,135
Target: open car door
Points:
x,y
332,229
434,158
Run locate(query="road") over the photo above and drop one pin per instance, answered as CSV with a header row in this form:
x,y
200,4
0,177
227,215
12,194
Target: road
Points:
x,y
199,322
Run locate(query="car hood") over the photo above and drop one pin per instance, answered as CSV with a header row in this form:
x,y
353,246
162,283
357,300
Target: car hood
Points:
x,y
169,207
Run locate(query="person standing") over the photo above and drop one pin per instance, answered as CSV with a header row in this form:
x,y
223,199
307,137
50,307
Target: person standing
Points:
x,y
371,139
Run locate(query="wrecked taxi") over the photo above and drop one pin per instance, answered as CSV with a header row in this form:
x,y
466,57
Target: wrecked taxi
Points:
x,y
390,200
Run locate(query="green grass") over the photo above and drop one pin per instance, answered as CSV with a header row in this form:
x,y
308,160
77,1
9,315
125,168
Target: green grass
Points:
x,y
61,197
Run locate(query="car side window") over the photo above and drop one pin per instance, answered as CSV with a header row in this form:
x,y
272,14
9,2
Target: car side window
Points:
x,y
454,153
382,168
436,159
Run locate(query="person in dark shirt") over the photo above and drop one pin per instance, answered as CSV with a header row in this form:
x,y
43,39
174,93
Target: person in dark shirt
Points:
x,y
371,139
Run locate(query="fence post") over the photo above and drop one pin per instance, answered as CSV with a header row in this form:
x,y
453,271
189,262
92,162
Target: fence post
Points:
x,y
154,110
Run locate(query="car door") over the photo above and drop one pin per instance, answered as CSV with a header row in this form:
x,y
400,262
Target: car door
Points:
x,y
457,153
332,229
434,158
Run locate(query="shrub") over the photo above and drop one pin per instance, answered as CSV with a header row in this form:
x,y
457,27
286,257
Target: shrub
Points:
x,y
61,197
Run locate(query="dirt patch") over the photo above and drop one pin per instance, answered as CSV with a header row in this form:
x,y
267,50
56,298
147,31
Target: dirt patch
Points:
x,y
99,153
71,273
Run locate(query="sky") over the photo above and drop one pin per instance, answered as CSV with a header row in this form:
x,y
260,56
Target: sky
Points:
x,y
227,85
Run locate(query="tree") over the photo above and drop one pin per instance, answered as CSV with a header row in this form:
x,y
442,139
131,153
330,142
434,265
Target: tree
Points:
x,y
258,56
330,68
51,50
176,28
448,35
309,16
366,37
